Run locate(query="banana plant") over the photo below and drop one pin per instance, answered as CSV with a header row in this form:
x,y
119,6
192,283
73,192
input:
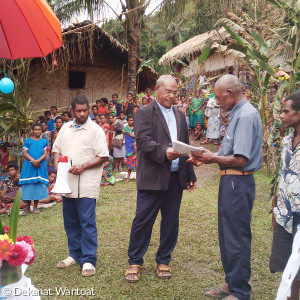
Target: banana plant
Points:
x,y
15,120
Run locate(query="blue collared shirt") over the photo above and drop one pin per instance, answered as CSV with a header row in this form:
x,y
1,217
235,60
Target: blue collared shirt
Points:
x,y
244,136
172,126
77,126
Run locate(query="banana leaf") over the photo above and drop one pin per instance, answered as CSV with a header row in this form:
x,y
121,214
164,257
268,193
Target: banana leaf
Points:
x,y
238,39
204,54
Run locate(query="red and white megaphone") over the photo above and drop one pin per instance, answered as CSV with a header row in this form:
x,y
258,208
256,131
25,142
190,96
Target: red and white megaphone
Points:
x,y
62,185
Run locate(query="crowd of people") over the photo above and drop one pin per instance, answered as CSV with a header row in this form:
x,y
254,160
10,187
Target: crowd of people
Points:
x,y
138,133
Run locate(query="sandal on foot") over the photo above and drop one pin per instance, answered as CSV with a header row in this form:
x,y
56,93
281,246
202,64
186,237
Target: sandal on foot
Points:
x,y
136,272
163,269
68,262
88,270
216,293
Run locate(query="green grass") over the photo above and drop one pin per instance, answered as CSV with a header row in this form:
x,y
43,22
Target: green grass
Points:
x,y
196,260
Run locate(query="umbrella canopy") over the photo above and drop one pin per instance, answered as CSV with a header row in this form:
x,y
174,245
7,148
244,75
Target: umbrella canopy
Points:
x,y
28,29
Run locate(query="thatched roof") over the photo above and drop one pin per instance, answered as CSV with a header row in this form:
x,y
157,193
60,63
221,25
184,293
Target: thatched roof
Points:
x,y
194,45
100,39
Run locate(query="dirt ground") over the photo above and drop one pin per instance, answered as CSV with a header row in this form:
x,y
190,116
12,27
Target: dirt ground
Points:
x,y
205,172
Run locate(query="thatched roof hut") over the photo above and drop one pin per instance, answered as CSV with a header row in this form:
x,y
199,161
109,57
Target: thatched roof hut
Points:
x,y
91,61
220,57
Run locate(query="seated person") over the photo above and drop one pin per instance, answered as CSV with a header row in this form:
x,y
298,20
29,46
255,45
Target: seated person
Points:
x,y
198,134
12,175
51,197
8,197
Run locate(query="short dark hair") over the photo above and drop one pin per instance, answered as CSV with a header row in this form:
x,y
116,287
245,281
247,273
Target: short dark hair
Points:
x,y
130,94
13,164
53,106
148,89
115,95
59,118
47,112
94,106
122,112
52,172
41,118
130,116
43,122
105,115
36,124
67,112
98,100
111,114
79,99
135,106
103,99
295,98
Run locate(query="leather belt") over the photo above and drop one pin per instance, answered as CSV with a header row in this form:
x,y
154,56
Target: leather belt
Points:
x,y
234,172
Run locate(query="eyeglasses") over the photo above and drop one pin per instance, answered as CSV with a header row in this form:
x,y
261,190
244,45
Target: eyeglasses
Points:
x,y
169,92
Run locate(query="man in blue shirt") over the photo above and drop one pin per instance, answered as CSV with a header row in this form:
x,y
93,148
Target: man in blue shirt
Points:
x,y
162,175
239,156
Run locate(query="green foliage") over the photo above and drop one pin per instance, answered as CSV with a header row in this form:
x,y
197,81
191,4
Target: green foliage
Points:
x,y
14,216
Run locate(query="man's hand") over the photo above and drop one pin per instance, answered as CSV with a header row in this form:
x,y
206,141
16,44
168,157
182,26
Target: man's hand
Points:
x,y
77,169
171,154
206,157
191,186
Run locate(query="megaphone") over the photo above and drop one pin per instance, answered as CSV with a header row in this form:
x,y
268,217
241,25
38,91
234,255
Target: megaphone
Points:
x,y
62,186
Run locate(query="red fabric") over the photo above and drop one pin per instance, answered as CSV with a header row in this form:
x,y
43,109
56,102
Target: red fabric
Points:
x,y
102,110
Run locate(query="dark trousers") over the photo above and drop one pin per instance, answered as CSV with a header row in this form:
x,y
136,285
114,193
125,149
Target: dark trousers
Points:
x,y
80,225
148,205
236,197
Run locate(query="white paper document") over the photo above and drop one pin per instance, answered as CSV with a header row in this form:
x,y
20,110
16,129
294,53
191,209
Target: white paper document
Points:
x,y
185,148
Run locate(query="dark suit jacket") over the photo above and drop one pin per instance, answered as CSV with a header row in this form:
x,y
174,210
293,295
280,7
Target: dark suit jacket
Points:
x,y
153,138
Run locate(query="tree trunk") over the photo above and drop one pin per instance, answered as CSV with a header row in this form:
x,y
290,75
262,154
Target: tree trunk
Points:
x,y
133,28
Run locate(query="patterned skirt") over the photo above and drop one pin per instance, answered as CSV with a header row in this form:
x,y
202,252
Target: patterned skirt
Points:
x,y
131,163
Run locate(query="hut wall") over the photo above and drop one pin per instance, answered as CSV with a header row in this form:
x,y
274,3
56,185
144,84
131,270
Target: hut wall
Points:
x,y
47,89
218,61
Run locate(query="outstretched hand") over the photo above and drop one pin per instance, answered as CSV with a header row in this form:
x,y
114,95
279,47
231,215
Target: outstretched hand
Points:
x,y
207,157
172,155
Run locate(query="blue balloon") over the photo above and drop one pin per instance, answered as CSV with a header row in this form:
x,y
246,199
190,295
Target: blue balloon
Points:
x,y
6,85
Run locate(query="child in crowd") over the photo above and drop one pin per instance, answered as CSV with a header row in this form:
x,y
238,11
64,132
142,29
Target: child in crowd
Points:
x,y
34,176
66,115
102,109
53,110
94,111
10,186
128,105
119,151
107,172
5,157
134,110
198,134
149,100
176,102
111,122
51,197
111,108
130,146
53,135
50,122
183,107
8,197
144,102
137,100
103,124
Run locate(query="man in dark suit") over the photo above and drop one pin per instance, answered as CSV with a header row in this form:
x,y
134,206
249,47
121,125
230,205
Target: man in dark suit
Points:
x,y
162,175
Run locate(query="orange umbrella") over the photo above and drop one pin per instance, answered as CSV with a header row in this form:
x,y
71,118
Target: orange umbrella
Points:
x,y
28,28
